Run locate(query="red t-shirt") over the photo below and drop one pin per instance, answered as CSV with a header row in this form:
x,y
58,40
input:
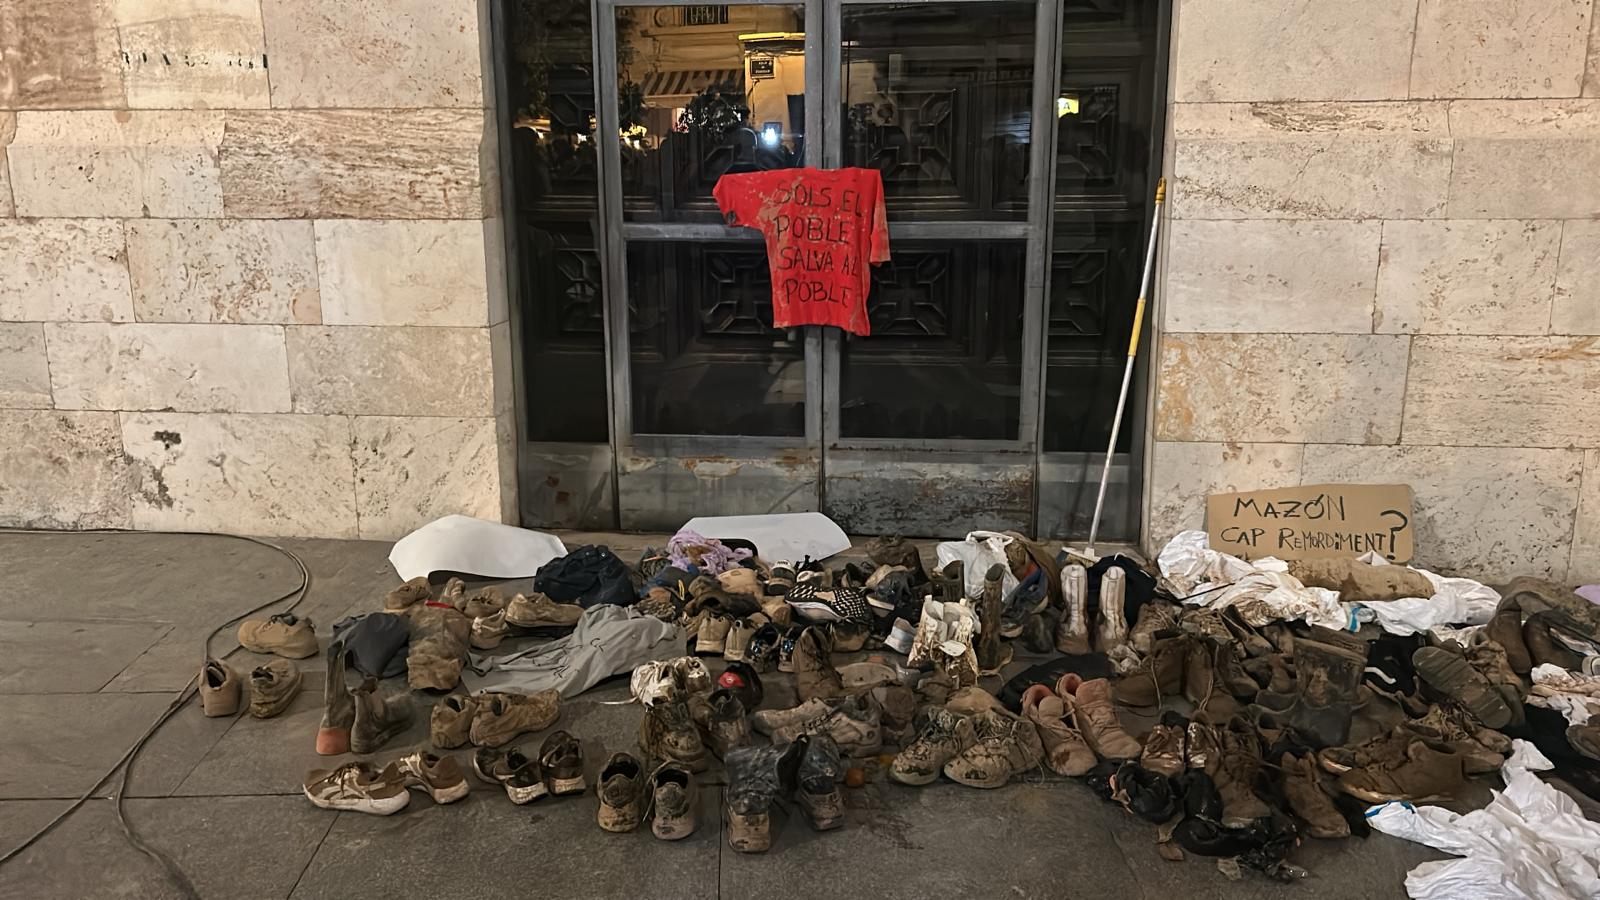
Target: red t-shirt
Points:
x,y
822,227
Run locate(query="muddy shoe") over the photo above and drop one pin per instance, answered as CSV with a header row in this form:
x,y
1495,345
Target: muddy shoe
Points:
x,y
1544,648
561,758
273,687
1425,771
949,584
761,651
539,611
1111,620
674,798
667,732
435,659
501,717
1327,679
1155,616
1026,601
897,551
450,724
1161,676
284,634
1585,739
738,640
219,689
781,578
854,723
358,787
338,708
1064,748
1006,745
484,604
1457,729
710,634
1202,746
1489,658
848,637
992,654
757,777
1096,718
818,794
1307,799
1235,777
377,718
622,798
440,777
814,603
726,725
1450,674
945,736
1163,746
1505,629
814,674
489,631
412,592
1072,634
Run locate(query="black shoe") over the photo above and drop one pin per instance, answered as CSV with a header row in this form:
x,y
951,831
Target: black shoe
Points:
x,y
757,777
741,678
818,794
1026,600
762,651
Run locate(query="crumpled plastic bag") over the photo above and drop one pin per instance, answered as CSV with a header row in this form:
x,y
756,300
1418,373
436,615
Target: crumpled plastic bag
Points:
x,y
1263,590
1531,842
978,553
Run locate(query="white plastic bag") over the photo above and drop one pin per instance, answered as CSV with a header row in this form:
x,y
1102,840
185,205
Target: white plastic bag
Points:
x,y
980,551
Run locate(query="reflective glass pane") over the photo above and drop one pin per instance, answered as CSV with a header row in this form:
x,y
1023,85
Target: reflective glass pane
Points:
x,y
938,99
705,357
704,91
945,356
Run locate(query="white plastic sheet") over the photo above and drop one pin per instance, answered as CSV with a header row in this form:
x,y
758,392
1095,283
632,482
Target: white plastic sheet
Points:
x,y
473,546
978,553
1531,842
790,536
1455,601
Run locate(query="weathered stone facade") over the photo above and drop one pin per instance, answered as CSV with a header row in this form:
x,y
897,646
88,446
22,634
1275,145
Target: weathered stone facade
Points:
x,y
249,270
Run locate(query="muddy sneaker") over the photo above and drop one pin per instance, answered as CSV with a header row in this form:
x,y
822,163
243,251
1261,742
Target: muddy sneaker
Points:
x,y
1163,746
440,777
377,718
1030,597
338,707
519,774
358,787
1111,620
768,721
726,726
667,732
1235,777
761,651
489,631
854,723
284,634
219,689
1096,718
484,603
1072,634
621,790
1489,658
1202,746
501,717
818,794
814,674
1155,616
1064,747
711,634
539,611
561,758
450,724
945,736
738,640
673,792
897,551
273,687
438,650
1457,729
781,578
1425,771
412,592
786,646
1450,674
757,777
1006,745
1308,800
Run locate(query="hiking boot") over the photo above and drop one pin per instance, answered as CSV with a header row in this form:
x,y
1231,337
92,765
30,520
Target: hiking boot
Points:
x,y
622,798
1328,677
1202,746
1096,718
1303,789
1246,638
897,551
1154,616
1235,776
501,717
757,777
667,732
814,674
737,640
539,611
450,724
1064,748
1163,746
854,723
945,736
561,761
711,637
219,689
284,634
1425,771
1006,745
991,653
412,592
1450,674
726,725
359,787
1111,619
1505,629
273,687
338,708
1161,676
1544,648
440,777
377,718
1072,635
673,796
489,631
817,792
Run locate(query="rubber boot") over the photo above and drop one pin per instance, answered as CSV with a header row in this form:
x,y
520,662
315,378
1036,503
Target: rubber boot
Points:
x,y
991,653
949,583
1072,635
338,707
1327,678
1111,624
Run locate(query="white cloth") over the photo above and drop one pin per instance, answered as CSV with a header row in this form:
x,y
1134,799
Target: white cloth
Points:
x,y
607,641
1573,694
1531,842
981,551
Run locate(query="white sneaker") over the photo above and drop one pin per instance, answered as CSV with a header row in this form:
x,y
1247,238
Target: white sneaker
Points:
x,y
901,636
359,787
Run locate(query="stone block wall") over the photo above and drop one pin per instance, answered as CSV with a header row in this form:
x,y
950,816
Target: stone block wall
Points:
x,y
250,267
1383,265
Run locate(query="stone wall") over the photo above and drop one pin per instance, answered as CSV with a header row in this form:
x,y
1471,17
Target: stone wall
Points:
x,y
1383,265
250,267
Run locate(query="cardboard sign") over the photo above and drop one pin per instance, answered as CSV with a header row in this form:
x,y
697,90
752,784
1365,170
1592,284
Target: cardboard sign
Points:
x,y
1313,520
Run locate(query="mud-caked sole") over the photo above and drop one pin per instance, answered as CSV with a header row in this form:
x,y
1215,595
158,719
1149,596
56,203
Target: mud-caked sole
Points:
x,y
750,834
563,786
1450,674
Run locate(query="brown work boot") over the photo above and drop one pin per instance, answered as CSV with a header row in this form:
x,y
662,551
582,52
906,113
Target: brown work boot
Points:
x,y
1449,673
945,736
338,707
450,724
1425,771
539,611
1111,618
814,674
1544,648
412,592
1505,629
1072,634
1235,777
622,797
501,717
1155,616
1162,674
1308,800
1163,746
667,732
855,723
1096,718
219,689
377,719
1006,745
992,654
273,687
284,634
1064,747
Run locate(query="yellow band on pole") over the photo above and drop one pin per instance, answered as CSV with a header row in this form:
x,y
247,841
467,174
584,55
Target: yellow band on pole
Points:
x,y
1138,323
